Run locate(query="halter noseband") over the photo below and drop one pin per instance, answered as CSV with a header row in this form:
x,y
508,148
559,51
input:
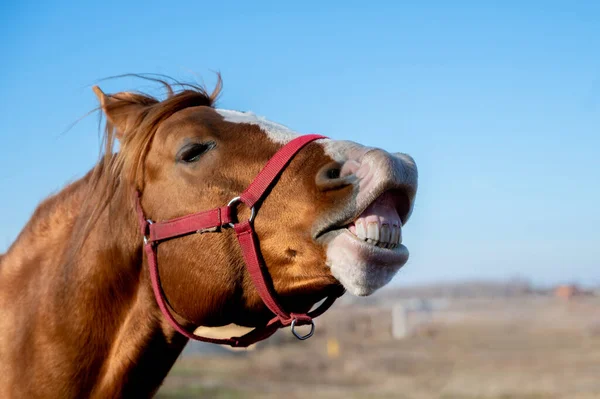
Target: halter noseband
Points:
x,y
214,220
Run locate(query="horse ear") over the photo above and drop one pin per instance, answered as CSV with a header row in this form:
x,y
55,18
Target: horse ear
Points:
x,y
123,110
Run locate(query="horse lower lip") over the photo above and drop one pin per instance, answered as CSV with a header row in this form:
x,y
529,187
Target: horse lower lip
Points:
x,y
352,246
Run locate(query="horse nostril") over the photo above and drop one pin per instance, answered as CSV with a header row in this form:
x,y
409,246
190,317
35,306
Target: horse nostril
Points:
x,y
334,173
330,177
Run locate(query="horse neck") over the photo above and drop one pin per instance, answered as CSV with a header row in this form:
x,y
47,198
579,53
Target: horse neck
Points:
x,y
142,346
96,303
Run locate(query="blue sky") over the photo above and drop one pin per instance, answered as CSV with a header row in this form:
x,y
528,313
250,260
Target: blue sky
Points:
x,y
499,103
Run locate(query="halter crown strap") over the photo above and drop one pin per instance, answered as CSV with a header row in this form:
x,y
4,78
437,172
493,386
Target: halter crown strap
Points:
x,y
214,220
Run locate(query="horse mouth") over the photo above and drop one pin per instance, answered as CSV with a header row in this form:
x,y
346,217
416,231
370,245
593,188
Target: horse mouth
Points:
x,y
378,224
365,251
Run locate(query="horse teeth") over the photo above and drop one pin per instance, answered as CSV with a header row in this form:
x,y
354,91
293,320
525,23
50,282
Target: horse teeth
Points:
x,y
386,235
361,231
373,232
395,234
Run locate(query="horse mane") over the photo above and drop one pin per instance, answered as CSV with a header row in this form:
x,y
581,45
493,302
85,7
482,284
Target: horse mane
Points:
x,y
123,170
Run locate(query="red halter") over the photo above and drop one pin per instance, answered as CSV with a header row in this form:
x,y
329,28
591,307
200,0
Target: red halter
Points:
x,y
213,220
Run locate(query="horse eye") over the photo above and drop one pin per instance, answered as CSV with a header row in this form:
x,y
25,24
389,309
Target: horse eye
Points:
x,y
192,152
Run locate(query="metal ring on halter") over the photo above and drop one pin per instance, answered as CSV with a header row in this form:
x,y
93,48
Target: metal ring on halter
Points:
x,y
306,336
146,237
238,200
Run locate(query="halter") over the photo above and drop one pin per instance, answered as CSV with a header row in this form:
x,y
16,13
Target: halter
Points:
x,y
224,217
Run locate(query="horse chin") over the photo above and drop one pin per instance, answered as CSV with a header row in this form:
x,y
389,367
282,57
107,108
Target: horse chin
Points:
x,y
361,267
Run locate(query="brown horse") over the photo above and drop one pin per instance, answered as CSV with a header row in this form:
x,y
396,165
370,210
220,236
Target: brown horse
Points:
x,y
78,317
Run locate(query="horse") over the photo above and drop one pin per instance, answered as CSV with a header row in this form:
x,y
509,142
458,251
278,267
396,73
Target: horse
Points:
x,y
103,287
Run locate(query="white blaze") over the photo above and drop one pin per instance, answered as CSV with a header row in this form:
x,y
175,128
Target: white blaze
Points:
x,y
281,134
278,133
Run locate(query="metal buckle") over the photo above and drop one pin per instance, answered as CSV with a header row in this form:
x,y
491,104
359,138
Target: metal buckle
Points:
x,y
146,237
306,336
238,200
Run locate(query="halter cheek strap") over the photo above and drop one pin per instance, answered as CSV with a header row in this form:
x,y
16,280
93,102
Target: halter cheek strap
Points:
x,y
214,220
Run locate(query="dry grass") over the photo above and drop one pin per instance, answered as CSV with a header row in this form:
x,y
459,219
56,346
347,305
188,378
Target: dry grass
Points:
x,y
525,348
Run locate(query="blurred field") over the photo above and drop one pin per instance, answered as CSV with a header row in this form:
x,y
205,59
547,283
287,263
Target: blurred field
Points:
x,y
522,347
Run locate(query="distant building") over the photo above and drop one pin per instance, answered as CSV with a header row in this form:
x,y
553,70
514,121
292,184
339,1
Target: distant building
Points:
x,y
567,291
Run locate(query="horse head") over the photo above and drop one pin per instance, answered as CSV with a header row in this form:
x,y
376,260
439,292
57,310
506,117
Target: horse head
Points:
x,y
332,219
